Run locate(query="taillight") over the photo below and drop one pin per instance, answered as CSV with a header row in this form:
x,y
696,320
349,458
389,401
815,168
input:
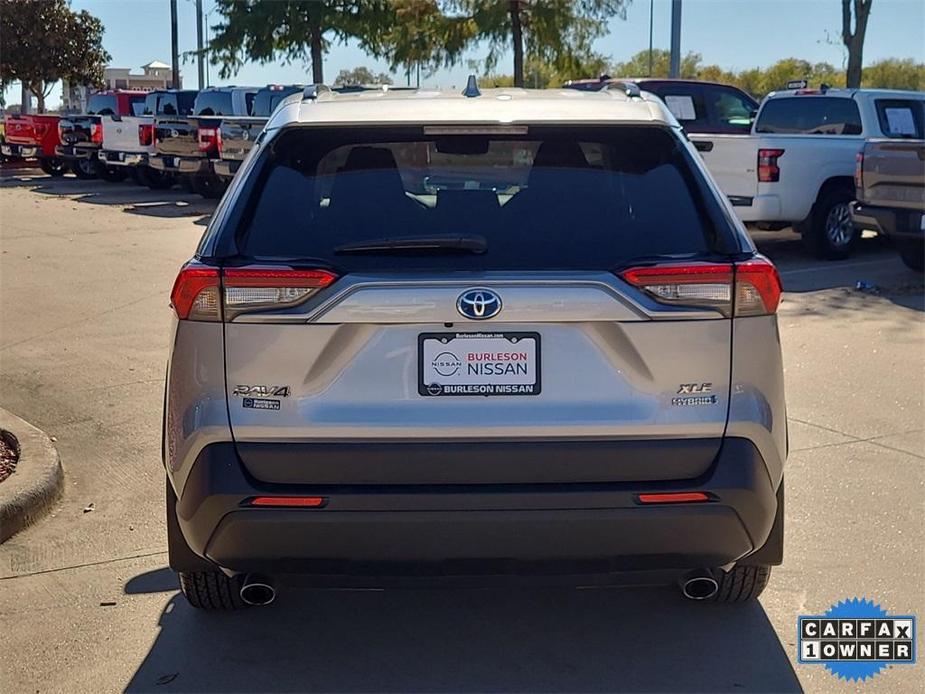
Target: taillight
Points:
x,y
859,172
768,170
210,139
710,285
146,134
208,294
96,133
196,293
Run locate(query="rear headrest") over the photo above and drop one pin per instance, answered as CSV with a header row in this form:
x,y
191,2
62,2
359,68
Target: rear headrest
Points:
x,y
365,158
558,154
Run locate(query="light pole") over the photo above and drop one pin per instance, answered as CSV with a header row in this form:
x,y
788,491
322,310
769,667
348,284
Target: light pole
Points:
x,y
651,15
675,39
199,60
174,47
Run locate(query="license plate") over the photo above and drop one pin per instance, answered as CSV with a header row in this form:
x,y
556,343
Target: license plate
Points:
x,y
478,363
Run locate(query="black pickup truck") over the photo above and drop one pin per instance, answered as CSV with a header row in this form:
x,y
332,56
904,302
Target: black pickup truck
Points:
x,y
82,135
189,147
238,133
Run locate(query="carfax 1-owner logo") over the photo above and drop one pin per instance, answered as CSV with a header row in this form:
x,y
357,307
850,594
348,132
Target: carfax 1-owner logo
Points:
x,y
856,639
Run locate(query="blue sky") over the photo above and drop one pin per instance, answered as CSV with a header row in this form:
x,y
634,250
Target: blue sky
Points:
x,y
731,33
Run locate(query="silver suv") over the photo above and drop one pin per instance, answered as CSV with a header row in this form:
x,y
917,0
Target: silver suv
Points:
x,y
452,335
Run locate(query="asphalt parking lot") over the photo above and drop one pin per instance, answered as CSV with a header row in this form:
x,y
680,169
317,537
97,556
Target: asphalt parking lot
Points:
x,y
86,603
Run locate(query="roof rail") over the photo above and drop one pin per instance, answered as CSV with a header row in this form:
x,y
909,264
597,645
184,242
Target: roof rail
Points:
x,y
631,89
472,88
313,91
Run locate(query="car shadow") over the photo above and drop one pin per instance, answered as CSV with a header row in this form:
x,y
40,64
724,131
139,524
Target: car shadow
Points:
x,y
509,640
135,199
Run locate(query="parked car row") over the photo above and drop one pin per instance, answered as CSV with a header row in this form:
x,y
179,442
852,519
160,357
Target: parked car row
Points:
x,y
790,160
161,137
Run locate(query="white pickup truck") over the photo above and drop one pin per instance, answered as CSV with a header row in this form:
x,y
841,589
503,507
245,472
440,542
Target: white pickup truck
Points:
x,y
129,140
796,168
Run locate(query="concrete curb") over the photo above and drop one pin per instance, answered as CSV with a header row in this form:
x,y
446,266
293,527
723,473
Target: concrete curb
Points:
x,y
27,494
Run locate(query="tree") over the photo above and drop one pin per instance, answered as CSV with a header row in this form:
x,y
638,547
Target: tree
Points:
x,y
560,32
422,36
361,75
859,11
270,30
44,41
893,73
638,65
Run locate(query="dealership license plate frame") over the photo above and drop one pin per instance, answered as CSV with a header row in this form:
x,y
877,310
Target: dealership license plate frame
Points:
x,y
426,389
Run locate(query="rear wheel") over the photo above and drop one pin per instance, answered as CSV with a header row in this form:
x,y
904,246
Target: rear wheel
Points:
x,y
913,255
208,186
741,584
154,179
84,169
53,166
111,174
831,234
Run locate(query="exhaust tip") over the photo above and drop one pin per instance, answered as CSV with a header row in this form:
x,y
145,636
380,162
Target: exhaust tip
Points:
x,y
257,591
699,587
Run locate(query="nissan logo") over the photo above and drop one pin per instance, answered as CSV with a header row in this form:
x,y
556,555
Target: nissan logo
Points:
x,y
479,304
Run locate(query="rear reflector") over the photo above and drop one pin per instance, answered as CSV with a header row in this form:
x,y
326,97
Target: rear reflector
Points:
x,y
710,285
291,501
673,498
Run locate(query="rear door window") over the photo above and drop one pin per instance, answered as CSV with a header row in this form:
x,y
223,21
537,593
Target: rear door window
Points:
x,y
552,198
901,118
810,115
732,110
686,102
137,105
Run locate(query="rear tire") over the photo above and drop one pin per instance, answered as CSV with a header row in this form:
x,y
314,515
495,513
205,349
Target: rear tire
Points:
x,y
154,179
111,174
208,185
831,235
742,584
53,166
84,169
913,255
211,590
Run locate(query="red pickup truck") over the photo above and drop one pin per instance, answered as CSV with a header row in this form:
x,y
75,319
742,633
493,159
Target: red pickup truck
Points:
x,y
34,137
82,136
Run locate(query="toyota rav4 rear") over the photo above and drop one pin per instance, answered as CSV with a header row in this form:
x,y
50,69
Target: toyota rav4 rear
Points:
x,y
452,335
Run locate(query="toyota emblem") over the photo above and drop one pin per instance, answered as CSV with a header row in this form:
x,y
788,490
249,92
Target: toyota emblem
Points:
x,y
479,304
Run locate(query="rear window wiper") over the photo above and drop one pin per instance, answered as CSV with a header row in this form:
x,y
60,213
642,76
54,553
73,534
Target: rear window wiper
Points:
x,y
468,244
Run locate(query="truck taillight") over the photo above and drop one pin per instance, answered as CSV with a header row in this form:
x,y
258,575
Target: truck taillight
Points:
x,y
750,288
96,133
208,294
768,170
146,134
859,172
210,139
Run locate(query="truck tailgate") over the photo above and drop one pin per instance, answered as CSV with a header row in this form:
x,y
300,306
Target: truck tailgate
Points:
x,y
732,161
238,135
894,174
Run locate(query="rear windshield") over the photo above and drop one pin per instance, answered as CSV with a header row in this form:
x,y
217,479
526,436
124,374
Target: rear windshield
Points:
x,y
107,104
810,115
169,103
545,198
901,118
213,104
266,100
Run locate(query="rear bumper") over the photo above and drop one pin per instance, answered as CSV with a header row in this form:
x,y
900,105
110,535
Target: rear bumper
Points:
x,y
895,222
226,168
494,524
76,151
20,151
116,158
762,208
179,164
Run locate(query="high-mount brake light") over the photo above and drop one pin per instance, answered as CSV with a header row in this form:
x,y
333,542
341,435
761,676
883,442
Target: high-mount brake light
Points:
x,y
768,169
195,294
751,287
